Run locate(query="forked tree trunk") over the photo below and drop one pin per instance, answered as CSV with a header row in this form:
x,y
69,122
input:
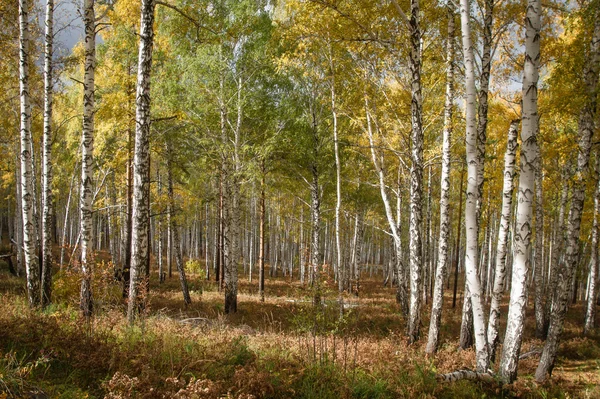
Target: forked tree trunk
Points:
x,y
442,261
471,221
141,161
47,159
87,157
27,179
586,129
503,230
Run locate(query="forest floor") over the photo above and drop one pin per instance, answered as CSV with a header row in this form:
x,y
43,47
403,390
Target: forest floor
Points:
x,y
282,348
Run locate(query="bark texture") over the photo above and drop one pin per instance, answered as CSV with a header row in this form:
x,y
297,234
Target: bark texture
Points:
x,y
565,272
416,177
47,158
27,179
442,262
87,157
503,230
525,197
471,222
590,309
141,160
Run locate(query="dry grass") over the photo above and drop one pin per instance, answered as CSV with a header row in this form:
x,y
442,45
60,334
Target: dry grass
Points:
x,y
281,348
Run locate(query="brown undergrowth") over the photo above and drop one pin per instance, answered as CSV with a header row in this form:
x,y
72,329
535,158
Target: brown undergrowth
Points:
x,y
282,348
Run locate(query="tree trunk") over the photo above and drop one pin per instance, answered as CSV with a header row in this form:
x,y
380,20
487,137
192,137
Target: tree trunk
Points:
x,y
175,229
590,312
471,221
540,321
261,237
503,230
47,159
141,160
401,295
416,177
586,129
522,232
482,110
87,160
27,178
442,261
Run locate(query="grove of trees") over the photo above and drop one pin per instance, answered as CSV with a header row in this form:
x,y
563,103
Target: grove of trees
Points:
x,y
447,149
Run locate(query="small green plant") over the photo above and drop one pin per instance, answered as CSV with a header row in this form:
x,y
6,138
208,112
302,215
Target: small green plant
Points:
x,y
194,266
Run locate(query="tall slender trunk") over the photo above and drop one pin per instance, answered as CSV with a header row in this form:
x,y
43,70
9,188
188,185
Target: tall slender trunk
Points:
x,y
401,295
586,129
338,189
590,310
47,159
126,267
261,236
458,237
27,179
503,229
540,321
525,198
315,252
482,111
416,177
471,221
141,160
315,196
175,229
87,157
159,234
358,244
442,262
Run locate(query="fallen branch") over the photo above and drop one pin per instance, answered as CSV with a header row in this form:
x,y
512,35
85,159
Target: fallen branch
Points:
x,y
534,352
465,375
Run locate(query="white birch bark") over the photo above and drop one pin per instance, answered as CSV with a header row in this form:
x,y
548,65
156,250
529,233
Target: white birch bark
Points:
x,y
503,230
27,179
87,156
471,221
590,310
141,160
482,110
525,197
416,178
401,295
47,158
586,129
540,321
442,262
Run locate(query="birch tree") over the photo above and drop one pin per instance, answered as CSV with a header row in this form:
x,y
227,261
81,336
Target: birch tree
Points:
x,y
587,117
27,179
471,221
87,156
141,159
47,157
503,230
523,231
590,307
442,262
416,176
